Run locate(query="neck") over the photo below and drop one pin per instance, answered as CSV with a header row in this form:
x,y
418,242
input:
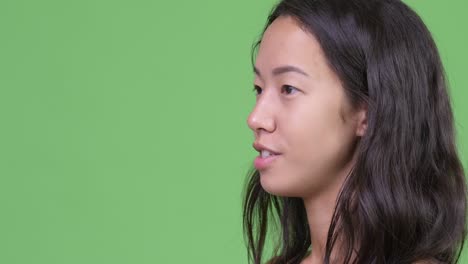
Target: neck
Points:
x,y
319,213
319,208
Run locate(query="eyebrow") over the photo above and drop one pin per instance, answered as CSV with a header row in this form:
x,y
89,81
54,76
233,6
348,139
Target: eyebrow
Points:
x,y
283,69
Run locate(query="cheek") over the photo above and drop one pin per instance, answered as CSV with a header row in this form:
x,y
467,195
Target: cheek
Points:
x,y
312,145
317,144
316,140
313,132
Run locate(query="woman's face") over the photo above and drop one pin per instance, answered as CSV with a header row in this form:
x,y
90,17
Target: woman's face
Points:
x,y
298,114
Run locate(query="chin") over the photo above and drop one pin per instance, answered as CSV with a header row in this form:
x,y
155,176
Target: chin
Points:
x,y
276,187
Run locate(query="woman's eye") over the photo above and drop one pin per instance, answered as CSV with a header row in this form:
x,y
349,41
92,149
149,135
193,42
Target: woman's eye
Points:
x,y
257,88
289,88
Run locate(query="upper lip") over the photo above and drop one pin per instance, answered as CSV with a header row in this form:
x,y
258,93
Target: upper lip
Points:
x,y
259,147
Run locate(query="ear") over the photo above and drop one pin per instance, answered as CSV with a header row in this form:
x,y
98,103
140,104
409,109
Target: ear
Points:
x,y
361,125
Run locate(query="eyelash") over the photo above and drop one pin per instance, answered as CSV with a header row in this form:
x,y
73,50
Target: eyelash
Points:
x,y
282,87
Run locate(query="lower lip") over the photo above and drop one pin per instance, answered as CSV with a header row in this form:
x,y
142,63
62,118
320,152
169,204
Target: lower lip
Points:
x,y
262,163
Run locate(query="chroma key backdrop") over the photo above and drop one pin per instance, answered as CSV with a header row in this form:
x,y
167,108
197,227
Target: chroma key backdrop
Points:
x,y
123,133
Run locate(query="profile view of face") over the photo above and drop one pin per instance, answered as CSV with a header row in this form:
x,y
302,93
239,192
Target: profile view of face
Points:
x,y
300,114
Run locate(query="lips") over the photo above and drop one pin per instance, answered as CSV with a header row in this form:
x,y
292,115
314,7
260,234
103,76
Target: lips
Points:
x,y
259,147
264,163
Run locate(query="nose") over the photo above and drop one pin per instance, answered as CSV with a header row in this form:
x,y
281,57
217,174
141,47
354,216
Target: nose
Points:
x,y
261,117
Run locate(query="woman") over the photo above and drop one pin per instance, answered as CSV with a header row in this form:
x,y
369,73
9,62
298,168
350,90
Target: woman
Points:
x,y
353,123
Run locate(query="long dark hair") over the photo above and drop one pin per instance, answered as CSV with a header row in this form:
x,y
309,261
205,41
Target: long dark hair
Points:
x,y
405,198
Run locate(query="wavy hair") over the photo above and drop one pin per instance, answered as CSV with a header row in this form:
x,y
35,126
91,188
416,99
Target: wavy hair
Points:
x,y
405,198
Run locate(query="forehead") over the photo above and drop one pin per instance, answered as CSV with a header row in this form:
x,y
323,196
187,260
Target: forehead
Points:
x,y
285,42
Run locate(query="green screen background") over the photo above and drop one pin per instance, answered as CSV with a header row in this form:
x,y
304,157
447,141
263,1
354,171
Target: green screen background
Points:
x,y
123,133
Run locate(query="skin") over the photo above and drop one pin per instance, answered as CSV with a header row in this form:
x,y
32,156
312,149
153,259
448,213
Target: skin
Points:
x,y
310,122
